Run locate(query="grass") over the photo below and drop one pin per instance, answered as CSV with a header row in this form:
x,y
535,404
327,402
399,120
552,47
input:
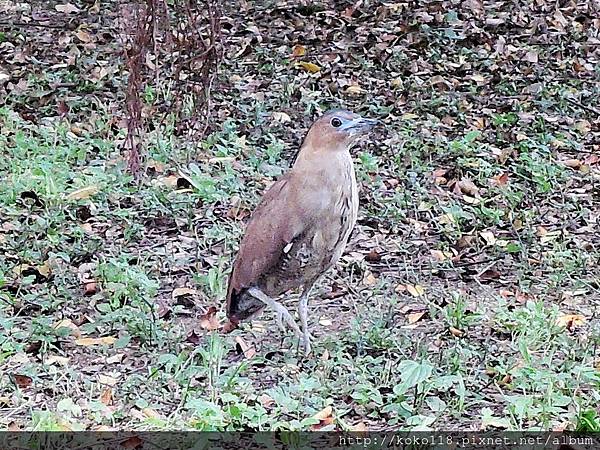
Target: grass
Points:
x,y
71,214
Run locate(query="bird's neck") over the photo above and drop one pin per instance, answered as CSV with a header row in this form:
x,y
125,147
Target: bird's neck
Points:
x,y
318,159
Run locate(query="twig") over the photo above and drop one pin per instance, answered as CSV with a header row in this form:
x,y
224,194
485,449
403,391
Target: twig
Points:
x,y
591,109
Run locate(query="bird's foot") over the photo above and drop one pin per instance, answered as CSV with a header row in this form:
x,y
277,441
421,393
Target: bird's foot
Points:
x,y
283,318
306,344
280,310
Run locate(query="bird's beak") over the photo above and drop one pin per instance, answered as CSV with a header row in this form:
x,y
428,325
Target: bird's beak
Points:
x,y
360,125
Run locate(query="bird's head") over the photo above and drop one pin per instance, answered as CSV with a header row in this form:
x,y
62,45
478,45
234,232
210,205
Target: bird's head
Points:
x,y
338,129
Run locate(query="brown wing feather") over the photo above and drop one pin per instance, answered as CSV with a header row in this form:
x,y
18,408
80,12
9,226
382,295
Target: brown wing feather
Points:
x,y
272,226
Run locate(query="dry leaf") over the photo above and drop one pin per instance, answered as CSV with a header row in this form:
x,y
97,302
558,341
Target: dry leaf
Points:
x,y
22,381
572,163
67,323
468,187
369,279
132,443
90,288
583,126
83,36
106,397
208,321
415,317
298,50
488,237
359,428
281,117
44,269
416,290
87,342
247,350
400,288
354,89
229,326
107,380
59,360
456,332
151,413
83,193
500,180
180,292
309,67
439,255
169,181
265,400
67,8
325,322
325,417
570,321
373,256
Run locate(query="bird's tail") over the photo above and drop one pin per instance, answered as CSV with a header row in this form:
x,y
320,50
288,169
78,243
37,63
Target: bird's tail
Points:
x,y
241,305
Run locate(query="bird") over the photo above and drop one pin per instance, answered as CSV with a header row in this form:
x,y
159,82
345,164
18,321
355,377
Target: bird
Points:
x,y
301,226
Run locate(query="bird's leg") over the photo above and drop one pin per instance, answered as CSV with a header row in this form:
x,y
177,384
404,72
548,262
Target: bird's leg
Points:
x,y
280,310
303,311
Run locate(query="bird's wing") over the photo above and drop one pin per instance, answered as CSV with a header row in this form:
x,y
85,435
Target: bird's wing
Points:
x,y
285,211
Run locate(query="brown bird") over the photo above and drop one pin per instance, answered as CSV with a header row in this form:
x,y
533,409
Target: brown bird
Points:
x,y
301,227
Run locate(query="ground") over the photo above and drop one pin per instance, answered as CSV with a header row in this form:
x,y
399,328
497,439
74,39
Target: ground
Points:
x,y
468,297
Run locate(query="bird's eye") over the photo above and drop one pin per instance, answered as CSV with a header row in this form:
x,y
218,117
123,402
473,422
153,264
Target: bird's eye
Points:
x,y
336,123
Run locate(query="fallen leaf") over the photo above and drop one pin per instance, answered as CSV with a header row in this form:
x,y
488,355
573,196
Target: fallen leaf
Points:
x,y
229,326
415,317
83,36
87,342
83,193
281,117
400,288
500,180
22,381
107,380
359,428
373,256
90,288
488,237
309,67
59,360
490,274
169,181
151,413
193,338
298,50
115,359
208,321
67,8
247,350
67,323
468,187
416,290
265,400
456,332
106,397
570,321
369,279
325,417
180,292
354,89
440,256
583,126
325,322
572,163
132,443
